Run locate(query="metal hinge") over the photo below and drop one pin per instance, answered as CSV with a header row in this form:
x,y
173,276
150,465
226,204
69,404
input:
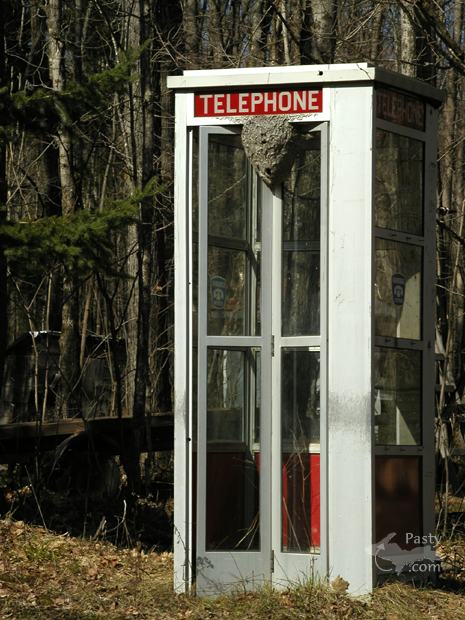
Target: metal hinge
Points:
x,y
272,561
272,346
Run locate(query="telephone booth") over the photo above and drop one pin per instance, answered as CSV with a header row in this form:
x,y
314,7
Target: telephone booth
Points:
x,y
304,324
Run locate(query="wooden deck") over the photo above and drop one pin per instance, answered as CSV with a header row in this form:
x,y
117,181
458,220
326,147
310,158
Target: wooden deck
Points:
x,y
19,442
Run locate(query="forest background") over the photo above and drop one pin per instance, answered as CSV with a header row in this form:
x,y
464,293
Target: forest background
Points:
x,y
86,172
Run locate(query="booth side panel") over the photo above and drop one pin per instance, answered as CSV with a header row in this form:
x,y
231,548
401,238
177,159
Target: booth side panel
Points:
x,y
350,338
429,317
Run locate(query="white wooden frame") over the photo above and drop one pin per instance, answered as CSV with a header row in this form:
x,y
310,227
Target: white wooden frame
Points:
x,y
221,571
350,458
183,561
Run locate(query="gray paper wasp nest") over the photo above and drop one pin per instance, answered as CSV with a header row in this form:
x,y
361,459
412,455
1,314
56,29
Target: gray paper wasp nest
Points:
x,y
271,143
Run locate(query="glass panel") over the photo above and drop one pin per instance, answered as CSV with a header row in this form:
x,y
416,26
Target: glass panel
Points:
x,y
226,294
234,223
256,279
399,183
397,397
300,427
226,395
256,389
195,180
398,290
300,313
256,252
301,197
300,308
232,465
398,501
227,187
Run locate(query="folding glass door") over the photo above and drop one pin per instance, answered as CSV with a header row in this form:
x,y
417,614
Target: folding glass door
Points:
x,y
298,368
259,368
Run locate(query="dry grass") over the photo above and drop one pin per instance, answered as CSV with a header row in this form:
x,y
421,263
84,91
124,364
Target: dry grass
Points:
x,y
43,575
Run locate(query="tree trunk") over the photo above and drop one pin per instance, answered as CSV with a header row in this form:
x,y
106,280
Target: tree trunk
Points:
x,y
324,30
190,28
3,200
68,401
140,128
255,14
406,46
216,32
375,37
169,20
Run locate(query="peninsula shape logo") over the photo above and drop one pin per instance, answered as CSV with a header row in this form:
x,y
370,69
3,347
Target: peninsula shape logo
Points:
x,y
390,557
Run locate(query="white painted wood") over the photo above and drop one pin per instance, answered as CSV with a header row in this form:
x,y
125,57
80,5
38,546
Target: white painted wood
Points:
x,y
182,525
321,76
304,74
279,70
350,338
228,121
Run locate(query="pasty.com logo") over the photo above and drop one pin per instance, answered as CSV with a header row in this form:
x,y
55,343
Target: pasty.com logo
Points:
x,y
421,558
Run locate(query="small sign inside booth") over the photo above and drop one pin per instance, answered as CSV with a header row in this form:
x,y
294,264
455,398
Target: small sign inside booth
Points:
x,y
398,289
218,289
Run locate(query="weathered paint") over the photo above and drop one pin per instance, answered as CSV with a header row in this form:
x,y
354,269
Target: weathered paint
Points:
x,y
350,337
182,335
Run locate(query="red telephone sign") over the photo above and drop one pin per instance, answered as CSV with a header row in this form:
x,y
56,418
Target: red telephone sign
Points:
x,y
259,103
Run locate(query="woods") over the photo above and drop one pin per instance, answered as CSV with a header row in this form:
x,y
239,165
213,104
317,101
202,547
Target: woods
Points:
x,y
86,179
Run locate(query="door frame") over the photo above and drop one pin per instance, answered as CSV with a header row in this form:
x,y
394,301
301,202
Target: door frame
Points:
x,y
290,568
220,571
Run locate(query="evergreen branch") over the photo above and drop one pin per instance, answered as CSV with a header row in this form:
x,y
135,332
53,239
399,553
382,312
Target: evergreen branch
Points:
x,y
82,242
45,109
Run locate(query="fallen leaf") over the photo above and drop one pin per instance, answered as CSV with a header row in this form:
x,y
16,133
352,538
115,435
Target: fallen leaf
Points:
x,y
339,585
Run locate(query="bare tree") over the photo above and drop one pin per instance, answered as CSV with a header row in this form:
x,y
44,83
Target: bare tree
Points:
x,y
3,200
324,30
68,404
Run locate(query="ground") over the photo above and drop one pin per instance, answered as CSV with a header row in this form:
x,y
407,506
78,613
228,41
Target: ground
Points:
x,y
49,576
